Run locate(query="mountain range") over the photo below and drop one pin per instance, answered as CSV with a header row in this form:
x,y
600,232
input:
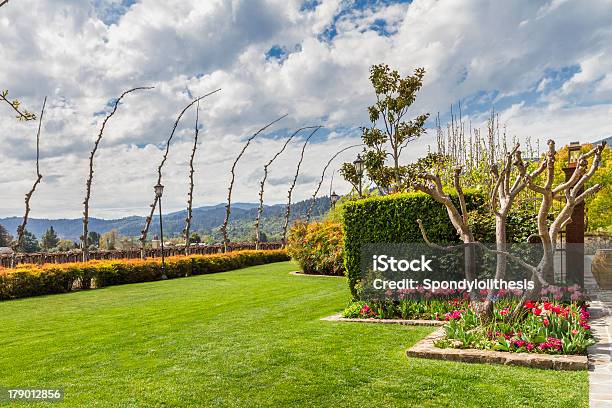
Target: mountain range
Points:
x,y
206,221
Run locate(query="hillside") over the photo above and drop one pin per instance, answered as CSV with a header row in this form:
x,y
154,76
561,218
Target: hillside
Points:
x,y
206,221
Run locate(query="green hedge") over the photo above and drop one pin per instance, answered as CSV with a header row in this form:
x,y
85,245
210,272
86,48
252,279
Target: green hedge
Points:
x,y
393,218
34,280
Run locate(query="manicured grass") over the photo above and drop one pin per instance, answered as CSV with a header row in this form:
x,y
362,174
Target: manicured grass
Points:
x,y
250,337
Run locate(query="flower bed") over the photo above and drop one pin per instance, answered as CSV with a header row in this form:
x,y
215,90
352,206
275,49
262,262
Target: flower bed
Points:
x,y
551,327
33,280
542,327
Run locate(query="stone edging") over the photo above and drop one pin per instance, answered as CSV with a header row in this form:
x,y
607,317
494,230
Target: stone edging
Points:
x,y
338,318
426,349
300,273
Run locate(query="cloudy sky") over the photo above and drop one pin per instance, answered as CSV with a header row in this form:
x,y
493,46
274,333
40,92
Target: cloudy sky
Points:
x,y
546,66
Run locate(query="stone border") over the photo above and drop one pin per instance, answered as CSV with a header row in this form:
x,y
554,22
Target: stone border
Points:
x,y
300,273
426,349
338,318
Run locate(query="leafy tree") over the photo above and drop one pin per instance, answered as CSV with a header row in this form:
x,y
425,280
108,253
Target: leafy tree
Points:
x,y
65,245
49,239
94,238
126,243
5,237
394,96
109,239
29,243
195,238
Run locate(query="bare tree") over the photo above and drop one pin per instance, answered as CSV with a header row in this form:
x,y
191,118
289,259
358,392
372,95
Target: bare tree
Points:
x,y
290,192
145,230
84,237
263,182
314,195
22,228
432,186
228,206
501,200
571,191
187,228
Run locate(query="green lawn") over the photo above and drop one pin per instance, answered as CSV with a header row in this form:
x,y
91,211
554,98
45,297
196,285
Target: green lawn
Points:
x,y
250,337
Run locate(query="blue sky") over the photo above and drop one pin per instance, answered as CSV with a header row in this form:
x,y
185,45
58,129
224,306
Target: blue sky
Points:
x,y
544,66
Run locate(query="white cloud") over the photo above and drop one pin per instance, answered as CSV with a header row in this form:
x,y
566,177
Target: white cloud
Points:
x,y
82,55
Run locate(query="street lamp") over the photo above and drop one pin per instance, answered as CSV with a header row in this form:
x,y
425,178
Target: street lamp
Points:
x,y
358,163
159,191
334,199
573,154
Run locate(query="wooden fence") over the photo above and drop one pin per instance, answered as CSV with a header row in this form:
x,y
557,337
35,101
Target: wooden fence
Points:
x,y
76,256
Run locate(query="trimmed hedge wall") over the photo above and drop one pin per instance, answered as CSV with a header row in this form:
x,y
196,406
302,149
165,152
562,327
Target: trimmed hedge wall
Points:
x,y
33,280
393,218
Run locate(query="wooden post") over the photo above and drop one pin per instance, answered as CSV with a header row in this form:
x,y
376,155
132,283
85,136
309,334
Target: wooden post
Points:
x,y
574,230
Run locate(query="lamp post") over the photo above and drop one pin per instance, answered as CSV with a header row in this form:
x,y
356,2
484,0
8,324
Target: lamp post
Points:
x,y
334,199
159,191
358,163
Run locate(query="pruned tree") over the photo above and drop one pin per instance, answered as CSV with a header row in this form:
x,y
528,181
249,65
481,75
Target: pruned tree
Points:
x,y
85,235
228,206
186,230
16,105
314,195
21,229
502,198
290,192
145,230
262,184
572,191
432,186
504,193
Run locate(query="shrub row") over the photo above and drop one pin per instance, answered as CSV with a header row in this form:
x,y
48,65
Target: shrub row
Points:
x,y
317,247
33,280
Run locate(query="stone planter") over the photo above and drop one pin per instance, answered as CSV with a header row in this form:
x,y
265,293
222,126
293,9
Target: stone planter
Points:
x,y
602,268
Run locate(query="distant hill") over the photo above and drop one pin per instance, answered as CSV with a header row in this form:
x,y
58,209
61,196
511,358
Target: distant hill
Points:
x,y
206,220
608,141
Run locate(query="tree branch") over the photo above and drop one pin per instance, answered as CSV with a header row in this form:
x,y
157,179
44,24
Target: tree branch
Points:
x,y
21,115
314,195
187,228
262,184
228,206
22,228
145,230
289,193
84,237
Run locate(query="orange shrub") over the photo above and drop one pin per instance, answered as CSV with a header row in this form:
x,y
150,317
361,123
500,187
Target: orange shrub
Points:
x,y
32,280
317,247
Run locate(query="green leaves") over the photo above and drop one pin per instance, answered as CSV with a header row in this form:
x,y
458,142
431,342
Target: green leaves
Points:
x,y
394,95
